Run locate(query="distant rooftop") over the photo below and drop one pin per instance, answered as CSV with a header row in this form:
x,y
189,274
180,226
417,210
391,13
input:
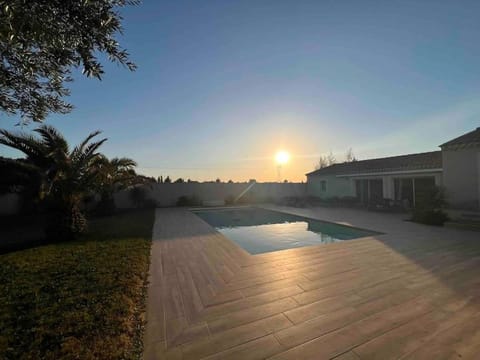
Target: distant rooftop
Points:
x,y
469,139
421,161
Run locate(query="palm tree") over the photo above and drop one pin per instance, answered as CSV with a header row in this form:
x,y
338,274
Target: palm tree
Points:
x,y
113,175
65,176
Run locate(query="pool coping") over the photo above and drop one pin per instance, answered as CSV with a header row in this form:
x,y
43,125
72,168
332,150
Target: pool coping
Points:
x,y
213,208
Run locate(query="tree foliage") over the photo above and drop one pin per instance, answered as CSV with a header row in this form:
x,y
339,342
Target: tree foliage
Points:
x,y
350,156
41,41
64,176
330,159
113,175
326,160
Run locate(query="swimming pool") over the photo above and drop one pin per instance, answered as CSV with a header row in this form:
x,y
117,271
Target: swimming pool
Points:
x,y
259,230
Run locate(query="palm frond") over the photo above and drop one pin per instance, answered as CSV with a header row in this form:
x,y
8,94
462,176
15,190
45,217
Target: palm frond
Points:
x,y
90,149
123,162
81,147
53,139
31,146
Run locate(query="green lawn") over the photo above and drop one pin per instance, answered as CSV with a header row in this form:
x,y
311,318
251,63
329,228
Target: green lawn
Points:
x,y
78,300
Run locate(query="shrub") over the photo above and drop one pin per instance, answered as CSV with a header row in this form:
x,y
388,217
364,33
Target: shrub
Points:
x,y
230,200
189,201
137,195
429,207
246,199
429,217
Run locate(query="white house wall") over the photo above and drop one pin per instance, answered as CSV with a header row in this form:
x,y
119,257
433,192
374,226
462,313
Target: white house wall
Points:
x,y
461,177
344,185
335,186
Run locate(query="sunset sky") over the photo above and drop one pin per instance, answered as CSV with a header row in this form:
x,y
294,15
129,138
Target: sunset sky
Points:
x,y
221,86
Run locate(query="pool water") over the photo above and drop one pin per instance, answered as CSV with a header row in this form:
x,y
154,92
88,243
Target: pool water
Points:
x,y
260,231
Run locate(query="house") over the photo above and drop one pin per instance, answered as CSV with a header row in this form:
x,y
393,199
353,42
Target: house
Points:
x,y
456,168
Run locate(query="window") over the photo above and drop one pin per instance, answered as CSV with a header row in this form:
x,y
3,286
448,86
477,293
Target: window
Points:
x,y
323,185
369,190
411,190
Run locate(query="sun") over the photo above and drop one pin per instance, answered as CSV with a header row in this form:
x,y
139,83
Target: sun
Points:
x,y
282,157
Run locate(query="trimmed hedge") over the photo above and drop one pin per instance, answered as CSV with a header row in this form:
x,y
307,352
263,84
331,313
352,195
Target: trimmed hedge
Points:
x,y
78,300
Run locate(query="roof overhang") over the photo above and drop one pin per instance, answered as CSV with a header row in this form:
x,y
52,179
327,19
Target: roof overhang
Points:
x,y
383,173
472,145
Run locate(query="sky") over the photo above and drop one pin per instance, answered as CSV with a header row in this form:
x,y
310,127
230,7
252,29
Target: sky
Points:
x,y
221,86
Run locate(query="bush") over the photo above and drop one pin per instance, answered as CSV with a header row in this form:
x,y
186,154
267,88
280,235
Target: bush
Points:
x,y
137,195
189,201
429,207
230,200
429,217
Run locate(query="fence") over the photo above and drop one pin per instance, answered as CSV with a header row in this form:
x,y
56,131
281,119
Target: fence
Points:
x,y
167,194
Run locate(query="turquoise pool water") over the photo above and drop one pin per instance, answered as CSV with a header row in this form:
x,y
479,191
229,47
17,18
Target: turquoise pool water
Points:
x,y
260,231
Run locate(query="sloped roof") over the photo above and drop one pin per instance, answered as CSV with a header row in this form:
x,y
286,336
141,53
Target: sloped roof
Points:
x,y
468,139
421,161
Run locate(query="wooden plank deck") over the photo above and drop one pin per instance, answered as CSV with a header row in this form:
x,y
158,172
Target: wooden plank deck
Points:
x,y
411,293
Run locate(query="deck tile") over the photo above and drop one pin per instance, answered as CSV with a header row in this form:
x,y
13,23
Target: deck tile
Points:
x,y
412,291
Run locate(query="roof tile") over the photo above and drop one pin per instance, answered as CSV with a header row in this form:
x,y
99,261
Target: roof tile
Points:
x,y
471,138
421,161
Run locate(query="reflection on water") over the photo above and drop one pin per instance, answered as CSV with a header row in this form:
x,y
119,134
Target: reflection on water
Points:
x,y
259,230
264,238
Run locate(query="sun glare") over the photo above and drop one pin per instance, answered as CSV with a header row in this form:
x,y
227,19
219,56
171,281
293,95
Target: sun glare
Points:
x,y
282,157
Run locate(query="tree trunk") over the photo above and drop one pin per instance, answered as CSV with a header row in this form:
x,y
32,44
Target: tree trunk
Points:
x,y
64,225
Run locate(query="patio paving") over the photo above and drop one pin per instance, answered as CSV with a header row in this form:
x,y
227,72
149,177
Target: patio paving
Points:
x,y
413,293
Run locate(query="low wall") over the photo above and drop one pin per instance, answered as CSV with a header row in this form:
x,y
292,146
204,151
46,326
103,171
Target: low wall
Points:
x,y
167,194
212,193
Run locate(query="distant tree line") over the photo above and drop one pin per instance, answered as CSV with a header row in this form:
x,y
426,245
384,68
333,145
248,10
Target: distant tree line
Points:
x,y
180,180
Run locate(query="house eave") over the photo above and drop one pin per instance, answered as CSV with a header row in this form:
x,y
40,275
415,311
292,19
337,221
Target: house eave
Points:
x,y
471,145
400,172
